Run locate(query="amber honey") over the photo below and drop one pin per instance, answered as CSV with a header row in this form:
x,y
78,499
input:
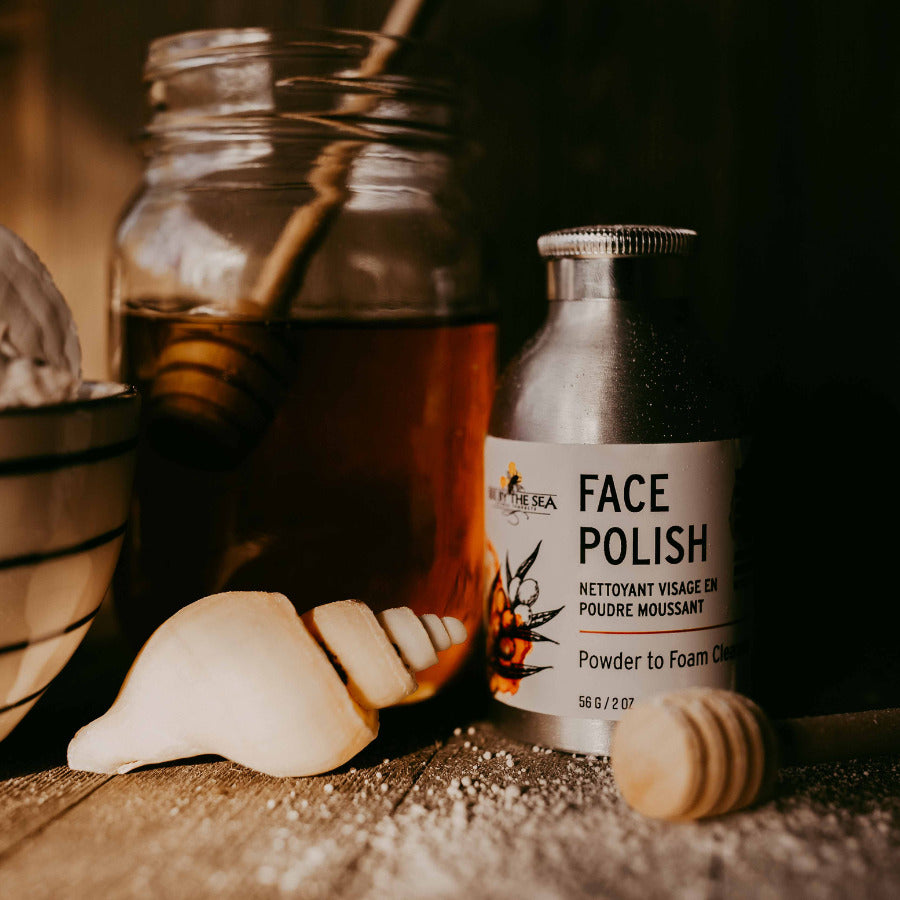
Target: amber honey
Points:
x,y
364,479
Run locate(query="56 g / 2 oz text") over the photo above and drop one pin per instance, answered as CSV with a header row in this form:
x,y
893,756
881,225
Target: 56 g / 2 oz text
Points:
x,y
585,701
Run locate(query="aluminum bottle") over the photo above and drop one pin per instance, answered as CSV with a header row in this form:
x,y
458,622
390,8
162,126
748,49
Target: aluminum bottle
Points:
x,y
616,565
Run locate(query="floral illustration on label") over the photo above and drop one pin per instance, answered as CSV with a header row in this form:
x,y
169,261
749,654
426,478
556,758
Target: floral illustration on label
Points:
x,y
512,624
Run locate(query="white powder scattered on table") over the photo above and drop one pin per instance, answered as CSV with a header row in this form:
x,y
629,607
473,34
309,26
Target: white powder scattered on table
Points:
x,y
553,826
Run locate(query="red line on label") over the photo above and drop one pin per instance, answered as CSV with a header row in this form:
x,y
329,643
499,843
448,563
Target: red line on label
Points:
x,y
670,631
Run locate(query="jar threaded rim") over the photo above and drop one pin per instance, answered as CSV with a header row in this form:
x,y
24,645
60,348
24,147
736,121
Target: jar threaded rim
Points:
x,y
596,241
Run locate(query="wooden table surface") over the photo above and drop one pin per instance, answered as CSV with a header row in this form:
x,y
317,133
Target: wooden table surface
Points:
x,y
440,806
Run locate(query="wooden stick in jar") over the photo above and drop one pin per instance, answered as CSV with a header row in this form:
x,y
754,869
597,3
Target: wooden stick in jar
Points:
x,y
330,168
704,752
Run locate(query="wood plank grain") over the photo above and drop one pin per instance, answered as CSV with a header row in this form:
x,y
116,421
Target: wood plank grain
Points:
x,y
210,829
473,815
29,802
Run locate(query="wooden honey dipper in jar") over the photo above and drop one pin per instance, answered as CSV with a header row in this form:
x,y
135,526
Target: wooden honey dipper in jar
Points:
x,y
704,752
217,389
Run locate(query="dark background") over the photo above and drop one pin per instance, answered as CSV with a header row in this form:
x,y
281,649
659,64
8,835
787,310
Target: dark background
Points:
x,y
772,128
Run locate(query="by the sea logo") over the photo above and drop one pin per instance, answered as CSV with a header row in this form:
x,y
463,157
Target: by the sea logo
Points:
x,y
509,495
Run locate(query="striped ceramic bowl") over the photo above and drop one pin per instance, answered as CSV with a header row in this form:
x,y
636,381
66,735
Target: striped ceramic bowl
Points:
x,y
65,488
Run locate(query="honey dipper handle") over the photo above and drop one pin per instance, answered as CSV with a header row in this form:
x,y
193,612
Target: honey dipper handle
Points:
x,y
329,169
839,736
402,17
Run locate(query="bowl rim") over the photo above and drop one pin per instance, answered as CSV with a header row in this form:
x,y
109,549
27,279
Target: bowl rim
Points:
x,y
122,393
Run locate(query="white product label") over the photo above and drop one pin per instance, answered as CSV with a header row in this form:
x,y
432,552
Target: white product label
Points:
x,y
613,573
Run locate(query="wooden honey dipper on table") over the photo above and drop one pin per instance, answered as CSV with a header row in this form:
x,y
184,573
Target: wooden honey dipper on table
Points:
x,y
704,752
217,388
